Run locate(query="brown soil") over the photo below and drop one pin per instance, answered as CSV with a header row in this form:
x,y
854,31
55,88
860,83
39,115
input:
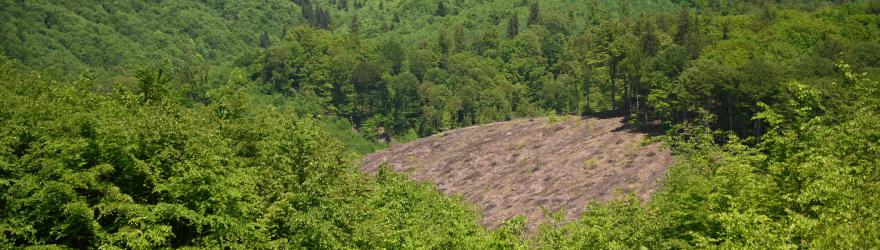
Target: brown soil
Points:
x,y
522,166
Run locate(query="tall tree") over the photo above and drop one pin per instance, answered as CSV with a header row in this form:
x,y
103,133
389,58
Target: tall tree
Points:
x,y
684,26
534,14
370,89
405,102
648,40
725,30
264,40
587,73
443,42
420,62
308,12
460,38
355,26
153,84
616,54
321,18
513,26
326,21
441,9
393,52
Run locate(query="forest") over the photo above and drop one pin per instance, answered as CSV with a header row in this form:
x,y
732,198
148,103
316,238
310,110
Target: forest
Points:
x,y
240,124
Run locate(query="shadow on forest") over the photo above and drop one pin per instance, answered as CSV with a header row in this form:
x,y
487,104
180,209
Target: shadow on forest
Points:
x,y
653,128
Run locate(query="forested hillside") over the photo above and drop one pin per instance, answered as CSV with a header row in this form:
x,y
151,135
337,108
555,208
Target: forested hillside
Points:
x,y
111,37
139,169
155,124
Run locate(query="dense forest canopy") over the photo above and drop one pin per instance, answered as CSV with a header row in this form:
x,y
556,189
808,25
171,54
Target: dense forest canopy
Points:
x,y
111,36
153,124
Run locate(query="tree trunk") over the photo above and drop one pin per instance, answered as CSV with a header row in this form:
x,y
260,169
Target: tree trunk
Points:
x,y
638,106
613,72
730,114
627,100
587,91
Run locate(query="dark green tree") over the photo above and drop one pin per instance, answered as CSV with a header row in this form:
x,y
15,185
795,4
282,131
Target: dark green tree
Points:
x,y
393,52
648,40
153,84
355,25
405,102
534,14
264,40
443,42
685,24
371,91
461,38
441,9
420,62
512,26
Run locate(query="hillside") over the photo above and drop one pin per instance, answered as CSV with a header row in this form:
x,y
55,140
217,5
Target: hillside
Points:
x,y
228,124
522,166
110,37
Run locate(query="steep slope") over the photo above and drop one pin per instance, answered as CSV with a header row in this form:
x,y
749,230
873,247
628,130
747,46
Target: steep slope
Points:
x,y
525,166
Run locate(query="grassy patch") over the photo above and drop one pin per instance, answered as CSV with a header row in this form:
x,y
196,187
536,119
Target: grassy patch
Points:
x,y
591,163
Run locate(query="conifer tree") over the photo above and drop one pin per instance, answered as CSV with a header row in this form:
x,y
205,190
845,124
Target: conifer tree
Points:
x,y
307,11
513,26
321,19
684,26
355,25
534,14
460,39
649,42
443,42
441,9
264,40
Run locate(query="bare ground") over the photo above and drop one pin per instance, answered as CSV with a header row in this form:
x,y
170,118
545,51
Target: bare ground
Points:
x,y
522,166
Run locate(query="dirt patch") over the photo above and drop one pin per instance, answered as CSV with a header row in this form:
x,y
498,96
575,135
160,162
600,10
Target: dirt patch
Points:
x,y
522,166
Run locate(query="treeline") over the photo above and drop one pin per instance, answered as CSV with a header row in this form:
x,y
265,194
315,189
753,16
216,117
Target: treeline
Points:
x,y
676,64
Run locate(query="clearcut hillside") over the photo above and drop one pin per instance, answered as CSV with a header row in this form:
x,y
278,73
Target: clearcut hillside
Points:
x,y
525,166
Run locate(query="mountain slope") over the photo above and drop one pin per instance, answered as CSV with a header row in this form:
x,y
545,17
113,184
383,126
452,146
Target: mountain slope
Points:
x,y
522,166
109,36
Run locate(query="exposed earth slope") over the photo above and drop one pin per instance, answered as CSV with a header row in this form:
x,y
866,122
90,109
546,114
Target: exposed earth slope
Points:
x,y
522,166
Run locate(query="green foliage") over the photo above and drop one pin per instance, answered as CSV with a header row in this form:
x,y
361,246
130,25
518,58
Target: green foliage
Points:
x,y
108,36
802,186
619,224
83,169
244,132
